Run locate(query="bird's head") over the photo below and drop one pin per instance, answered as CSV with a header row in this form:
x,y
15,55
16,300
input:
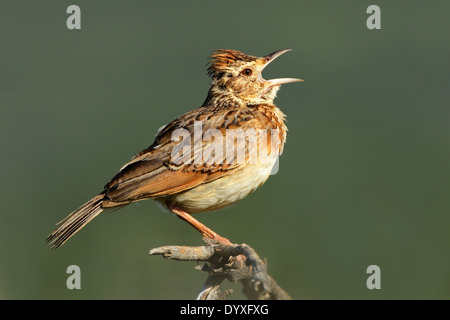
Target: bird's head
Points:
x,y
239,74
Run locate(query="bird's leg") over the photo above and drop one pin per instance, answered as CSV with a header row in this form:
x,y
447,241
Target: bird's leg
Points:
x,y
204,230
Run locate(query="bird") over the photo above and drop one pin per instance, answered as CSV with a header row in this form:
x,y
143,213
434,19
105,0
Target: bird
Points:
x,y
189,168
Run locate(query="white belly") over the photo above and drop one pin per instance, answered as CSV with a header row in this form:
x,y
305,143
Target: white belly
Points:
x,y
224,191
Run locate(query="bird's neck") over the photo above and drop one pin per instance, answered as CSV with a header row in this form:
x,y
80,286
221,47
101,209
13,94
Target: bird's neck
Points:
x,y
224,98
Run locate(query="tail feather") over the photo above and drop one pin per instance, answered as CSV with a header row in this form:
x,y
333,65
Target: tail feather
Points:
x,y
75,221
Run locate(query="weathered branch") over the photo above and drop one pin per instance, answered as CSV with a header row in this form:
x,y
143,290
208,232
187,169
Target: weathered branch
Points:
x,y
232,262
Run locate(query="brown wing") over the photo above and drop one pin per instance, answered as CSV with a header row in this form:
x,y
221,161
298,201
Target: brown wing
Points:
x,y
159,170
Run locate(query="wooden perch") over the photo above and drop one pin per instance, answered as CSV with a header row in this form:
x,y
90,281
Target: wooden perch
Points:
x,y
233,262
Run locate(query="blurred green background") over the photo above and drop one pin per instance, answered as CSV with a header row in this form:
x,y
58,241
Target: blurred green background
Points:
x,y
364,178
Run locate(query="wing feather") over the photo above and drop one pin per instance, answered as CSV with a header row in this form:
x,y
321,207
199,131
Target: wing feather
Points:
x,y
154,172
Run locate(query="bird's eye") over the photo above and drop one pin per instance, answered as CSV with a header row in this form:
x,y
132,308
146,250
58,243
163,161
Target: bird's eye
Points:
x,y
247,72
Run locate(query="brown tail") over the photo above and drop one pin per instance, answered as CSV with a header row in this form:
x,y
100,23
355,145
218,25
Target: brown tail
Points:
x,y
75,221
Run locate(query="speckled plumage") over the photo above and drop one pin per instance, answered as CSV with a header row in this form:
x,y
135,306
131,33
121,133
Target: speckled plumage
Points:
x,y
239,98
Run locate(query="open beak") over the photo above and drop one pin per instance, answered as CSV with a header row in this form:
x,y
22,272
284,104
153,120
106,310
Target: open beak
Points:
x,y
277,82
